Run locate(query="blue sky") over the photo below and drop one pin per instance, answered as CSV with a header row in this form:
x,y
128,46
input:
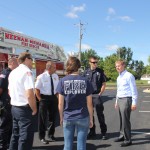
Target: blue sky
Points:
x,y
107,24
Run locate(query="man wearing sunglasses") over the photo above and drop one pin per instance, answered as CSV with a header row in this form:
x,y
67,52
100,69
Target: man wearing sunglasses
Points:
x,y
96,76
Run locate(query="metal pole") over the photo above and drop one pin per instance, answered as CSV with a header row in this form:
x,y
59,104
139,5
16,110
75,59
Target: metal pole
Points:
x,y
80,38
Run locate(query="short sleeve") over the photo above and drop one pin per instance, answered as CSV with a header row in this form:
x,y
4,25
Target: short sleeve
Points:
x,y
38,83
103,77
60,87
28,82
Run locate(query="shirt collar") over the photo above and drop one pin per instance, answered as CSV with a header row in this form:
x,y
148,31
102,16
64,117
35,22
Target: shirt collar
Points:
x,y
92,70
48,73
22,65
123,72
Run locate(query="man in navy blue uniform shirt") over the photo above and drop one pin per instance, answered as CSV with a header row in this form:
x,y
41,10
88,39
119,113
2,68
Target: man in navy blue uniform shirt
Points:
x,y
98,80
5,108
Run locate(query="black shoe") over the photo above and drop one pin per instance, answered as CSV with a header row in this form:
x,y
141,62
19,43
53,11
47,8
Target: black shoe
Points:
x,y
125,144
119,139
44,141
91,135
51,139
104,137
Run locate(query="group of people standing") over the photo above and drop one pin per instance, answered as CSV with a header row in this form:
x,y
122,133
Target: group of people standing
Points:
x,y
75,96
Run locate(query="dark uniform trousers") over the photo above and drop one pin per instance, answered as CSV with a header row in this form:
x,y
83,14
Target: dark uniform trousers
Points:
x,y
5,111
5,126
98,104
48,104
124,115
23,128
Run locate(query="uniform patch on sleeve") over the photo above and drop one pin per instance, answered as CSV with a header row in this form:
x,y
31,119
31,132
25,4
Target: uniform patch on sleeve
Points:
x,y
2,76
29,73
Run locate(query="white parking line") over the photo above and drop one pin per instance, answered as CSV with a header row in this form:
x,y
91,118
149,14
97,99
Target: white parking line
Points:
x,y
135,132
146,101
147,96
143,111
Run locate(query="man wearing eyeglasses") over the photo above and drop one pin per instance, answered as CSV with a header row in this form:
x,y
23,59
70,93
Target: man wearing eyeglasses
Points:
x,y
96,76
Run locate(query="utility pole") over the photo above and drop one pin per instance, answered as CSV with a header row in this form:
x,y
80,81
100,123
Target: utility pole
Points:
x,y
80,38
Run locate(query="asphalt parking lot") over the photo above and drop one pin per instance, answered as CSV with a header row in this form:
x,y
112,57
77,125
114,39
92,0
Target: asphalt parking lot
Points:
x,y
140,120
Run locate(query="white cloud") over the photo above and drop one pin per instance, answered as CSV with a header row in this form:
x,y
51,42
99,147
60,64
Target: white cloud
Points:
x,y
111,11
72,15
85,46
75,10
112,47
111,15
126,18
78,9
115,28
72,53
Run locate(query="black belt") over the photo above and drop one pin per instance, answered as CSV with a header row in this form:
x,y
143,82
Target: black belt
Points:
x,y
27,105
124,97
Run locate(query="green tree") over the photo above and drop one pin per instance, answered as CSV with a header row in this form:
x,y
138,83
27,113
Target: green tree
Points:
x,y
139,69
149,60
109,67
148,66
147,69
125,53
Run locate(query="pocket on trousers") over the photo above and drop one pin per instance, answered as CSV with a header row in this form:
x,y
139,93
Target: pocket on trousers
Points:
x,y
96,99
66,123
84,122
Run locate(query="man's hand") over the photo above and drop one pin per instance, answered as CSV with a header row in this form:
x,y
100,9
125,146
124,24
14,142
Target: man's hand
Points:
x,y
116,106
133,107
34,112
100,94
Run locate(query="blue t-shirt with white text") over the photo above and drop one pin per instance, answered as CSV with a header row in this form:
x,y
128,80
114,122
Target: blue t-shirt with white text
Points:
x,y
75,89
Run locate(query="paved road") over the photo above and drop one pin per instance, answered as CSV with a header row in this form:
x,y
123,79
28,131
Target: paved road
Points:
x,y
140,120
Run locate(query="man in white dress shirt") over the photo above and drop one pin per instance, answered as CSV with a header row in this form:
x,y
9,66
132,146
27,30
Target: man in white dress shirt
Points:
x,y
21,90
45,89
126,101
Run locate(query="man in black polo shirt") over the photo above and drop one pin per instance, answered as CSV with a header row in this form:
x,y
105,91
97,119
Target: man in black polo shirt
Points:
x,y
96,76
5,107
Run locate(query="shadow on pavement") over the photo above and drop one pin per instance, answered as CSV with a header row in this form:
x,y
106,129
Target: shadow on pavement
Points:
x,y
145,130
52,147
89,146
139,141
108,98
